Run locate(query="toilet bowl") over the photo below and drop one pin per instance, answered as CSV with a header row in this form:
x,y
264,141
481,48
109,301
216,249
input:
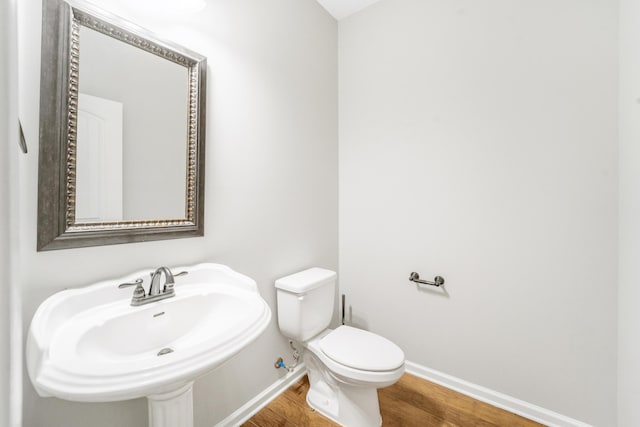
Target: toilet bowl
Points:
x,y
345,365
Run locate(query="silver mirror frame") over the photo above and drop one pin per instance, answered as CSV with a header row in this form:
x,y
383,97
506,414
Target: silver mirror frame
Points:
x,y
59,79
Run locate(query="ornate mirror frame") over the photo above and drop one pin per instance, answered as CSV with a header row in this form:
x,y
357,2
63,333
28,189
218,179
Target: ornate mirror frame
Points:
x,y
57,226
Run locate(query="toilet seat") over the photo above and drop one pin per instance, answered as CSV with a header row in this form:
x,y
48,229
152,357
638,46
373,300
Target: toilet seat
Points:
x,y
350,374
361,350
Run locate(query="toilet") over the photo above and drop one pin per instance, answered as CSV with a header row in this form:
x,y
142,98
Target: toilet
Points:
x,y
345,365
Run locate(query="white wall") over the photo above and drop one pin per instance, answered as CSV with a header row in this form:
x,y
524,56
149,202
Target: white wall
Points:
x,y
10,331
5,260
478,142
629,232
271,184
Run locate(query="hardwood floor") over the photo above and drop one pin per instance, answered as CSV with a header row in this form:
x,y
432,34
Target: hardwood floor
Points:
x,y
410,402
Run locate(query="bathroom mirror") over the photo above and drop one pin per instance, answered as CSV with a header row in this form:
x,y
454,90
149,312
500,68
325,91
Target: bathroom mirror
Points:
x,y
122,128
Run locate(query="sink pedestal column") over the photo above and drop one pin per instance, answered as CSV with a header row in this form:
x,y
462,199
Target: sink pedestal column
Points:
x,y
172,409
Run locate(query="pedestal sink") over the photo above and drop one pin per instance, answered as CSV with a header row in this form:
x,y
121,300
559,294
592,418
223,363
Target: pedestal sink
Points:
x,y
90,345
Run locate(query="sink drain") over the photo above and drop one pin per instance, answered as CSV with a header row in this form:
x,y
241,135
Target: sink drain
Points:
x,y
164,351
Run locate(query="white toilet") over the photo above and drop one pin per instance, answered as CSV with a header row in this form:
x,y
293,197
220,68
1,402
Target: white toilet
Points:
x,y
346,365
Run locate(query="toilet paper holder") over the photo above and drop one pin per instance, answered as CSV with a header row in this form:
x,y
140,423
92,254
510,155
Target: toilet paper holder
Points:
x,y
437,281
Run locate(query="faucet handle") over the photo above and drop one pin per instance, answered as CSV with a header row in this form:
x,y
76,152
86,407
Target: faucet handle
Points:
x,y
138,292
137,282
168,287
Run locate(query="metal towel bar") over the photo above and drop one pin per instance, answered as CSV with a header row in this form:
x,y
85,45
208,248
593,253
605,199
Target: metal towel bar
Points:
x,y
437,281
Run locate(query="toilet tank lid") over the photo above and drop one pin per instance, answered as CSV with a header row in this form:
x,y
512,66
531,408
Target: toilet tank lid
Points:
x,y
306,280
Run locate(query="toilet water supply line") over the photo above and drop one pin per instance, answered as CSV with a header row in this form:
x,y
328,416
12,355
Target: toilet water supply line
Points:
x,y
296,358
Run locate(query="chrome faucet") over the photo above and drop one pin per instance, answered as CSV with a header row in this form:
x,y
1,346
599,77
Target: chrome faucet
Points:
x,y
154,288
156,291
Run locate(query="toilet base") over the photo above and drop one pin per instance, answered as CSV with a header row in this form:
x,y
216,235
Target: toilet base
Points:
x,y
345,404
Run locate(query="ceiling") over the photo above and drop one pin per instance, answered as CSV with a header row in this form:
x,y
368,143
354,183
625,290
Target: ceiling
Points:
x,y
342,8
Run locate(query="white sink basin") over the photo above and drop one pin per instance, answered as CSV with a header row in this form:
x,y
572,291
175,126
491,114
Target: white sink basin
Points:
x,y
89,344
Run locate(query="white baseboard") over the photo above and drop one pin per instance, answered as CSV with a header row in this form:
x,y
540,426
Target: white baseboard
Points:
x,y
483,394
508,403
253,406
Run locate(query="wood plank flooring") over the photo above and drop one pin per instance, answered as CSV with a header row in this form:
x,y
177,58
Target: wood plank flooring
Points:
x,y
410,402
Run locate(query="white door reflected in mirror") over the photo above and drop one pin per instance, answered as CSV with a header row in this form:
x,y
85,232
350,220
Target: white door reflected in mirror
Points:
x,y
99,165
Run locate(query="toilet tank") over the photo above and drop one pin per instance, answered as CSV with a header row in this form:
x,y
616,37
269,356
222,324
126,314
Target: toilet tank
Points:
x,y
305,302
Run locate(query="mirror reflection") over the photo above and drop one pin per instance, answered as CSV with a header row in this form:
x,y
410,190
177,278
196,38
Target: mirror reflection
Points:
x,y
132,132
